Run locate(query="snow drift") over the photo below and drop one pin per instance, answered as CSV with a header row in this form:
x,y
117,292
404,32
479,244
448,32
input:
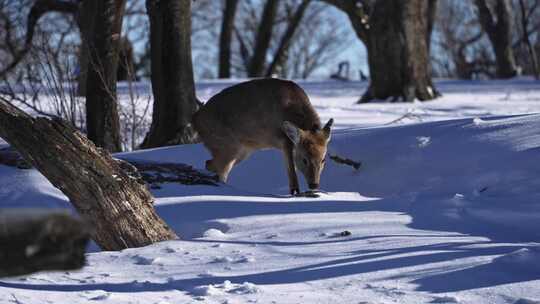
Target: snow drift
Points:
x,y
443,212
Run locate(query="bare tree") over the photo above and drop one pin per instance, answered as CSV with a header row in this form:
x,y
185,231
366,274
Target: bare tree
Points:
x,y
102,120
396,34
136,28
173,85
280,55
311,50
54,61
49,65
38,9
102,43
462,48
134,116
225,38
262,48
527,11
496,21
263,38
86,21
126,61
205,14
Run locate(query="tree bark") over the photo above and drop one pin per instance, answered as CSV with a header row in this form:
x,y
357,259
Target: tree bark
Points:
x,y
281,54
173,85
126,61
86,23
117,206
102,120
396,34
431,15
526,40
35,241
262,42
498,26
225,38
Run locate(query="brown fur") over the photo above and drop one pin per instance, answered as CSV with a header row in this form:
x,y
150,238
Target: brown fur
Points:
x,y
250,116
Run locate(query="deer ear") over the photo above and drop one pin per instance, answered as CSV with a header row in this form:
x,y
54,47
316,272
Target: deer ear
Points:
x,y
327,127
292,132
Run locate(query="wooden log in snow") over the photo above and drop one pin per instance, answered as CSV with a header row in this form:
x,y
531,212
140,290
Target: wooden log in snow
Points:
x,y
119,208
32,242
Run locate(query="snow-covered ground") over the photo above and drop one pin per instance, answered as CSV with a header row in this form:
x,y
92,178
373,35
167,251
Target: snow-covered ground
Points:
x,y
445,209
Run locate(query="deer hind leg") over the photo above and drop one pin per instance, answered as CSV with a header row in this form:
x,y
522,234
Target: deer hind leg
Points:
x,y
221,166
241,155
210,165
223,162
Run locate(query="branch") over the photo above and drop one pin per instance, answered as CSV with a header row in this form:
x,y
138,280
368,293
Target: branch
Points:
x,y
486,17
263,38
345,161
465,43
526,40
409,114
340,4
39,8
244,52
533,30
285,41
358,13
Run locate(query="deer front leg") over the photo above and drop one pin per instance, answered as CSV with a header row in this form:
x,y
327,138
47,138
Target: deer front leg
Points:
x,y
291,172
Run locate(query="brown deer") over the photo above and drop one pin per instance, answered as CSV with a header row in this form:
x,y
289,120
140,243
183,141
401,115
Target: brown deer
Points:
x,y
260,114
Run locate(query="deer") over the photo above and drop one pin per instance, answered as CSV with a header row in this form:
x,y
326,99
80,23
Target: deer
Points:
x,y
261,114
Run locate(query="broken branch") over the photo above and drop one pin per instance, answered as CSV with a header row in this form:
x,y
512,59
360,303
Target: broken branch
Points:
x,y
345,161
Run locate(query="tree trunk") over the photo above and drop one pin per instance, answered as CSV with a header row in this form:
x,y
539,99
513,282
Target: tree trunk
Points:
x,y
117,206
173,86
126,61
396,34
262,42
431,15
102,121
225,38
85,20
281,54
82,78
33,241
498,26
526,40
398,52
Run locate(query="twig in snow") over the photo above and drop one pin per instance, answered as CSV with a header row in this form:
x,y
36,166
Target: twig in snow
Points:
x,y
345,161
406,115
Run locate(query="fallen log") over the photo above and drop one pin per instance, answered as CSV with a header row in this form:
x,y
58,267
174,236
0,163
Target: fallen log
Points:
x,y
31,242
119,208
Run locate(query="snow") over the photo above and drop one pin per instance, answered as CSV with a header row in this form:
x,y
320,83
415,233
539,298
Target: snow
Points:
x,y
444,209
